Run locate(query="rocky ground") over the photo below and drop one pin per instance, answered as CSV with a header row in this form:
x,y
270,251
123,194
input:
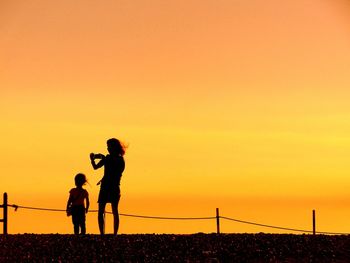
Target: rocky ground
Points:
x,y
174,248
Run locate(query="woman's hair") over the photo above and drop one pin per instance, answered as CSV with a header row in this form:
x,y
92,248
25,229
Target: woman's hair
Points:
x,y
115,146
80,179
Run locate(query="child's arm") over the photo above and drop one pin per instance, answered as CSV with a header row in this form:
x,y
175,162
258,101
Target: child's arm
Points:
x,y
87,204
69,202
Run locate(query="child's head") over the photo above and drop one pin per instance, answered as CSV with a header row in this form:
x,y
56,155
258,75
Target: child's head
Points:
x,y
80,179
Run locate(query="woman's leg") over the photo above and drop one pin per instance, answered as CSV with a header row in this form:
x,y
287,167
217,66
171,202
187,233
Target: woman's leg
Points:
x,y
115,216
101,217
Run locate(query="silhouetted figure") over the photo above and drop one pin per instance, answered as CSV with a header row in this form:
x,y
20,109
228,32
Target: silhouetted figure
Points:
x,y
110,184
76,205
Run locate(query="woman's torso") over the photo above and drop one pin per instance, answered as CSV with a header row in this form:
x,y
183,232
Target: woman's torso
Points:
x,y
113,169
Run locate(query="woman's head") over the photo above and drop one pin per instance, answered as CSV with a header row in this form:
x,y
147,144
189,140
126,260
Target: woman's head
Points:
x,y
114,146
80,179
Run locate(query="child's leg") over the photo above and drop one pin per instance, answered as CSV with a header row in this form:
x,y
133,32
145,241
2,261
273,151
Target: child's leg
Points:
x,y
83,228
76,229
75,220
82,220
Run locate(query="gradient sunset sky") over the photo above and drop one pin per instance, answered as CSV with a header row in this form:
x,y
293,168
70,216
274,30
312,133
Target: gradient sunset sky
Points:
x,y
236,104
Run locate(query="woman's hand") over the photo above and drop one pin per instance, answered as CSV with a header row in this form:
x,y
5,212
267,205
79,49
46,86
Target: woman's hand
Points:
x,y
93,157
99,156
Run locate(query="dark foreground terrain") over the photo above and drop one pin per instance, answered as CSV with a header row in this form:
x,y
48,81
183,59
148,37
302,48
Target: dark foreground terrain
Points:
x,y
174,248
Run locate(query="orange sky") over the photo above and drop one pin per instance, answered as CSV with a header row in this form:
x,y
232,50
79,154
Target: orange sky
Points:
x,y
242,105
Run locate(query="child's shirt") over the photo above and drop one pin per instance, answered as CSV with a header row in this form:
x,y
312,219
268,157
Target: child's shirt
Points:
x,y
78,195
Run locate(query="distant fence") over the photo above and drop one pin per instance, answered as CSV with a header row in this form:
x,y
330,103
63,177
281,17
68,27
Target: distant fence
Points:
x,y
217,218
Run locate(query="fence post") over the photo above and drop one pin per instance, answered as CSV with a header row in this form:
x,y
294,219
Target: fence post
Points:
x,y
314,222
217,221
4,219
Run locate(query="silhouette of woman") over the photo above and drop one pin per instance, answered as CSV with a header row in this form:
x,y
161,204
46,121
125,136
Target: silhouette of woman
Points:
x,y
114,166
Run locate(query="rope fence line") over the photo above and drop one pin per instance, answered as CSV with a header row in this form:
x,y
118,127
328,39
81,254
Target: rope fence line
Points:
x,y
122,214
263,225
168,218
282,228
217,217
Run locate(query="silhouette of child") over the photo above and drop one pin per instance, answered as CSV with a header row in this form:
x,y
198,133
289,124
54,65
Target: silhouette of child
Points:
x,y
77,196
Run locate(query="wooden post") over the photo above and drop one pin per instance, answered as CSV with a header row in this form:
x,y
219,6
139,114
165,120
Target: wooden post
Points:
x,y
314,222
4,219
217,221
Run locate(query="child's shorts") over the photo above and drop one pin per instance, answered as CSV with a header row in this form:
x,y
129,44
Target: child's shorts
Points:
x,y
78,214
